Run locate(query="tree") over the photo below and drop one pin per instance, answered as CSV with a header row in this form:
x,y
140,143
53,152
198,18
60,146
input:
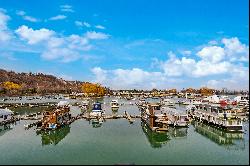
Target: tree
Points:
x,y
93,89
10,85
206,91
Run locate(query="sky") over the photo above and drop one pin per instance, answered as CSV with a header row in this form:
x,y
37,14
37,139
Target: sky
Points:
x,y
129,44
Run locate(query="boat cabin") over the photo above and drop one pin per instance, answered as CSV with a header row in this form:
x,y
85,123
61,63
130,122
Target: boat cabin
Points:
x,y
5,115
96,110
56,118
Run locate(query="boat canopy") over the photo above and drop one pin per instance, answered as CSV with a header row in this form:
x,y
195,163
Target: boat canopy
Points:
x,y
6,111
97,107
63,103
114,101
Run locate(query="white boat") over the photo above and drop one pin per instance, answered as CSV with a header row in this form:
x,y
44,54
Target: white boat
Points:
x,y
133,99
242,101
96,110
114,104
188,102
212,99
84,104
168,103
5,114
181,120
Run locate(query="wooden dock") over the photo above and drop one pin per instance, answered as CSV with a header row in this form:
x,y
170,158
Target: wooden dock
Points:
x,y
86,116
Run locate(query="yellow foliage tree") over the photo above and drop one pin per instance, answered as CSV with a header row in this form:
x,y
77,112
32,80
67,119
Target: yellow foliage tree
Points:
x,y
206,91
93,89
190,90
10,85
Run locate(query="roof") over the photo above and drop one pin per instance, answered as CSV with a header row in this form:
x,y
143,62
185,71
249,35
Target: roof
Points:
x,y
6,111
63,103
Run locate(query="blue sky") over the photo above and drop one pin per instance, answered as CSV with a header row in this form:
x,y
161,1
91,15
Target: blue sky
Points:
x,y
127,44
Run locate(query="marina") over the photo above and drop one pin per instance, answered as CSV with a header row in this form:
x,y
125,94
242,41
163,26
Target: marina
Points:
x,y
162,133
124,82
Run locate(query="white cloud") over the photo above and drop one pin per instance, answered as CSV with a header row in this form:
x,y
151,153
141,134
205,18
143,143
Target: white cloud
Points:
x,y
8,55
66,77
206,68
186,52
54,42
26,17
81,24
239,80
66,8
31,19
64,54
58,17
212,53
20,13
96,35
66,49
177,67
213,42
34,36
100,27
54,46
86,24
78,23
134,78
3,20
5,34
101,75
235,50
78,42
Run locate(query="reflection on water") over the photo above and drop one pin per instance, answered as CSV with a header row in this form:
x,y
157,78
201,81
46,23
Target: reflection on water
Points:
x,y
227,139
5,128
54,136
27,110
96,123
114,111
178,132
155,139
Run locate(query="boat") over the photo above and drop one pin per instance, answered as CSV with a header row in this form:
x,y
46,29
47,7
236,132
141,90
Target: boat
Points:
x,y
181,120
192,102
242,101
153,117
212,99
84,105
224,117
5,115
97,110
168,103
56,118
114,104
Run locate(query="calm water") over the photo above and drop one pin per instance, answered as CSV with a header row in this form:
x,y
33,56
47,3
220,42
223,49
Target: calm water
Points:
x,y
117,141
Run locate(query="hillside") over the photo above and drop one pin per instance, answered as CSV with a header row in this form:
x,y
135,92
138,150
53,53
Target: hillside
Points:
x,y
40,83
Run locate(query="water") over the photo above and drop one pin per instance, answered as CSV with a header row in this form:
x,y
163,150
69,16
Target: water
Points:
x,y
117,141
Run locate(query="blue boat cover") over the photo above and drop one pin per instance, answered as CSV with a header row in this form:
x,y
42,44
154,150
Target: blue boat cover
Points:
x,y
97,107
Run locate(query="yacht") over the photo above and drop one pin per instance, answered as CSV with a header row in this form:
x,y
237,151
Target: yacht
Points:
x,y
97,110
168,103
84,104
114,104
244,101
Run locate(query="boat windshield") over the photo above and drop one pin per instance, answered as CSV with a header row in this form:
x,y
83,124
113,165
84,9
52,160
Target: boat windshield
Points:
x,y
97,106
